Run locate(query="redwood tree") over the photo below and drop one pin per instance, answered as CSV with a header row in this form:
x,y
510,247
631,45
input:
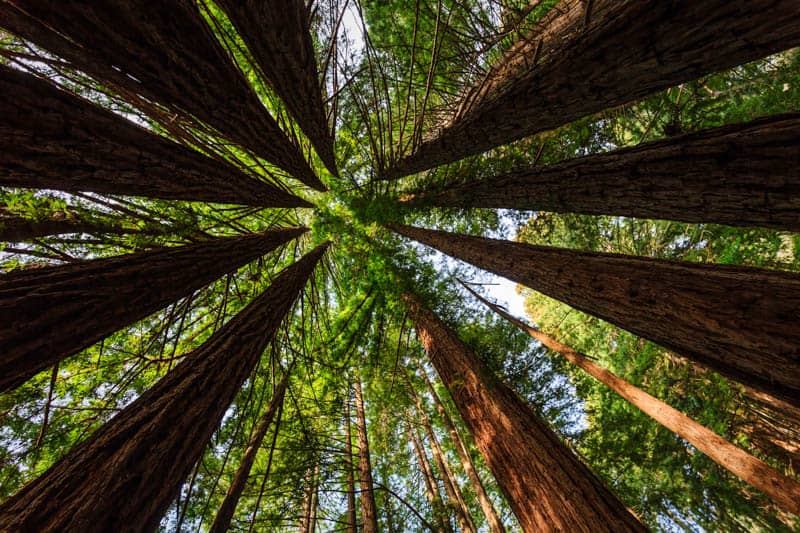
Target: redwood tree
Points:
x,y
782,489
196,79
51,139
588,56
47,314
741,175
740,321
277,34
546,485
369,511
125,475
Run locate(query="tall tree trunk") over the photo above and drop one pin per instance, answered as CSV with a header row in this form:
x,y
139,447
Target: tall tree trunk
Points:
x,y
126,474
451,488
548,488
441,517
51,139
741,175
492,518
369,512
783,490
308,523
118,45
575,63
19,229
348,465
50,313
742,322
225,514
277,34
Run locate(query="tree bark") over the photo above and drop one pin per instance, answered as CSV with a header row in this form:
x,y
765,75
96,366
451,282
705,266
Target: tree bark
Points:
x,y
348,465
50,313
576,63
492,518
18,229
784,491
741,175
548,488
441,518
50,139
369,511
742,322
225,514
168,56
277,34
125,475
308,523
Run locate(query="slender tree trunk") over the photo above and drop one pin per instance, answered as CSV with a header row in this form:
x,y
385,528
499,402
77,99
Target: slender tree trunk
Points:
x,y
783,490
196,80
18,229
126,474
51,139
576,63
308,523
492,518
50,313
348,466
225,514
742,322
548,488
369,513
441,517
741,175
277,34
451,488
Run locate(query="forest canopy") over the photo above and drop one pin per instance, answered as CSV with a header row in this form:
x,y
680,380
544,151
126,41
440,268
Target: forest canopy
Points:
x,y
400,265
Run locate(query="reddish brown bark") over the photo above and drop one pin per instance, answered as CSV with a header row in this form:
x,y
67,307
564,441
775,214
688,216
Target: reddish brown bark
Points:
x,y
492,518
126,474
440,514
50,313
50,139
277,34
168,56
741,175
783,490
348,466
369,511
548,488
225,513
742,322
575,64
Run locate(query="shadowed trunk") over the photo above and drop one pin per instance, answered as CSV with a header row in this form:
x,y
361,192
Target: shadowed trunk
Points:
x,y
742,322
369,511
47,314
126,474
440,515
574,64
50,139
492,518
348,465
18,229
277,34
113,42
225,514
741,175
308,522
783,490
548,488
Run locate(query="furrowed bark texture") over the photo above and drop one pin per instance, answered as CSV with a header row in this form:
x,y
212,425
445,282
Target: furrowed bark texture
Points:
x,y
225,513
574,65
50,313
741,175
548,488
50,139
277,34
126,474
783,490
369,511
492,518
170,57
742,322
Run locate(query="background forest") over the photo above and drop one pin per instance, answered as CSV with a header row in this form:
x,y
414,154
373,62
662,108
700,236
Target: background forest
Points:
x,y
392,72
